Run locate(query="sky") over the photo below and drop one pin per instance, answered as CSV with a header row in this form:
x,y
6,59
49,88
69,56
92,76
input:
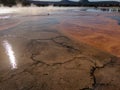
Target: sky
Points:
x,y
77,0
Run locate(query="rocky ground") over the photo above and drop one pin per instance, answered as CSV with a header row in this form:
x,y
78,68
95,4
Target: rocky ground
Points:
x,y
47,59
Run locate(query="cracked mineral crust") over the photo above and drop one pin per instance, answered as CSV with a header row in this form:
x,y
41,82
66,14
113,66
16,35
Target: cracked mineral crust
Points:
x,y
45,58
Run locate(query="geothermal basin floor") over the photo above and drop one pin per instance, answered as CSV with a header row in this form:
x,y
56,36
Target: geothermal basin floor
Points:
x,y
46,52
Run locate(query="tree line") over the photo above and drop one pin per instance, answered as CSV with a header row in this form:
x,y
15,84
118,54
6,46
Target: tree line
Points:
x,y
11,3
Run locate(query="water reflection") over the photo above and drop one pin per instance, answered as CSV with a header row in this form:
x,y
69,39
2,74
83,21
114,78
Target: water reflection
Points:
x,y
10,54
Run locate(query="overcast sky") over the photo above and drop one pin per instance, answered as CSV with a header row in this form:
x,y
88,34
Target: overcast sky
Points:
x,y
77,0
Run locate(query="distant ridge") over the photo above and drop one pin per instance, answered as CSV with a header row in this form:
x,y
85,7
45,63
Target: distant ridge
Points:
x,y
96,3
100,3
60,3
72,3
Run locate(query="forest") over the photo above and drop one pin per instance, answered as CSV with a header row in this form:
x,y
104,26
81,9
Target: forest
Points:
x,y
11,3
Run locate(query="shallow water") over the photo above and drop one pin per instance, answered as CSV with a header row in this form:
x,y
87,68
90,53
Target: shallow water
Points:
x,y
30,23
44,49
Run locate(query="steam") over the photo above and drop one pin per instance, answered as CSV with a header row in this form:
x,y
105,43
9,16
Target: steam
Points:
x,y
19,10
7,12
31,10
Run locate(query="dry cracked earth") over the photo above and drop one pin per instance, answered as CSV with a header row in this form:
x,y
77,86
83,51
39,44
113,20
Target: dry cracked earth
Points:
x,y
46,59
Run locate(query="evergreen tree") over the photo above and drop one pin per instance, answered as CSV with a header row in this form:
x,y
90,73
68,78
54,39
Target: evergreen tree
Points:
x,y
8,2
14,2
